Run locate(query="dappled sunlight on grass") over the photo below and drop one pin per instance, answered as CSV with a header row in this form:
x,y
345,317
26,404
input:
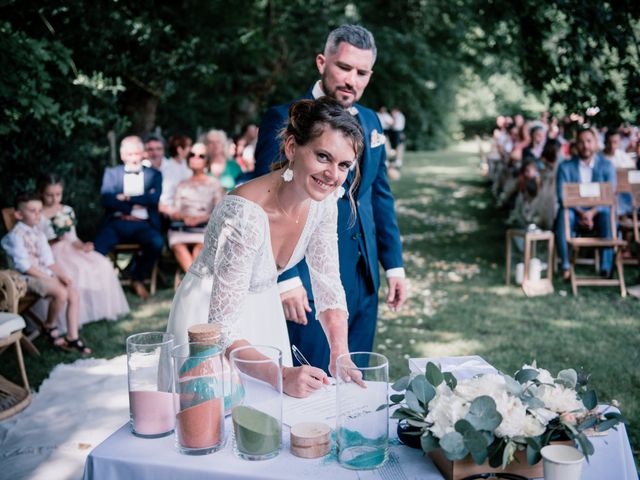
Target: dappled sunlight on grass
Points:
x,y
448,347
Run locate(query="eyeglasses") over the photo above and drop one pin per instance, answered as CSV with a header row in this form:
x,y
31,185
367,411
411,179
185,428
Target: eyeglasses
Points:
x,y
203,156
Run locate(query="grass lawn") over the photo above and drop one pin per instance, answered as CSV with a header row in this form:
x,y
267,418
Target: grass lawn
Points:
x,y
454,256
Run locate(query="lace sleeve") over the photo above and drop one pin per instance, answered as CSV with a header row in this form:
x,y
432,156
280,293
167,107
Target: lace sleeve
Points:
x,y
322,259
238,236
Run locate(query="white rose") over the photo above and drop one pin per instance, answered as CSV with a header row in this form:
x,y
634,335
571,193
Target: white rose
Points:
x,y
514,416
532,427
492,385
445,409
559,399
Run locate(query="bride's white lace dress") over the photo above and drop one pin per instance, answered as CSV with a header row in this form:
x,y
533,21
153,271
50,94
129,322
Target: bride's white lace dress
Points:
x,y
233,282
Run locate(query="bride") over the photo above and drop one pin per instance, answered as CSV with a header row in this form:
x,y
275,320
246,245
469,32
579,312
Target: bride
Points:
x,y
265,227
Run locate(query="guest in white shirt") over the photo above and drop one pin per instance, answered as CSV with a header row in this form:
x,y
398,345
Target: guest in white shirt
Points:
x,y
613,152
174,170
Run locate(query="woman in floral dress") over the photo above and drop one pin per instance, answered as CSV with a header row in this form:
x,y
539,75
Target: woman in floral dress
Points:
x,y
101,296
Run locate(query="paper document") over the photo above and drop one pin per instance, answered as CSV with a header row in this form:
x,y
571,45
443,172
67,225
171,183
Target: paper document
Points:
x,y
321,405
461,367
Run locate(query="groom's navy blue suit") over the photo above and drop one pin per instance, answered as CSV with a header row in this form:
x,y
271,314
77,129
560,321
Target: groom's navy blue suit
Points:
x,y
373,237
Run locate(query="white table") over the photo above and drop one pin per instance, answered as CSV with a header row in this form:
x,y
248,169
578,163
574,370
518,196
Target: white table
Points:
x,y
123,455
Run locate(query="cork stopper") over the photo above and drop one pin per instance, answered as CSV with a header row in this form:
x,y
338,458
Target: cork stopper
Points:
x,y
310,439
204,333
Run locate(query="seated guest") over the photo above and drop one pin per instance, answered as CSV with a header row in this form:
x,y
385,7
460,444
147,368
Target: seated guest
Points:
x,y
546,202
620,159
538,136
194,202
524,212
154,151
246,147
174,170
101,296
226,170
30,254
130,194
588,166
614,153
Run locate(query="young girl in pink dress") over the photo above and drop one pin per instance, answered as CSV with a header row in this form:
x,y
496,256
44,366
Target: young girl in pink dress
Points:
x,y
101,296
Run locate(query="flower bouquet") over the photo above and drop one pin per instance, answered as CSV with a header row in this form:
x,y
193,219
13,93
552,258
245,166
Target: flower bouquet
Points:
x,y
63,222
495,419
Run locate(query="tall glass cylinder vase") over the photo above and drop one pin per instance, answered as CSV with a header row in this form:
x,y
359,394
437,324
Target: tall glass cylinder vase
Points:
x,y
151,409
257,423
362,422
199,388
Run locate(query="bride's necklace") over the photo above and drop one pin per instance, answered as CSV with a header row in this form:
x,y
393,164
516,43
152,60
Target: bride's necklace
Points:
x,y
297,219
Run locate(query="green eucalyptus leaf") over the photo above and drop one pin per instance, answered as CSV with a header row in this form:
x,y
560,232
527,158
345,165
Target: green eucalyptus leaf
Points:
x,y
433,374
526,375
588,423
533,402
590,399
423,390
450,380
453,445
396,398
585,444
429,442
416,423
401,384
483,414
607,424
476,444
496,451
569,377
412,402
463,426
512,386
533,454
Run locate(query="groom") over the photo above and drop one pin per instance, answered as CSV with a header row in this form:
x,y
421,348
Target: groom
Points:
x,y
345,69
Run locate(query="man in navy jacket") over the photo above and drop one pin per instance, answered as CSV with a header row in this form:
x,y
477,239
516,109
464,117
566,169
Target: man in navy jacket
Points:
x,y
345,69
130,194
589,166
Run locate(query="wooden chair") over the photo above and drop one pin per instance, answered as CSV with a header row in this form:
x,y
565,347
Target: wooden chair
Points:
x,y
601,195
13,398
625,179
132,249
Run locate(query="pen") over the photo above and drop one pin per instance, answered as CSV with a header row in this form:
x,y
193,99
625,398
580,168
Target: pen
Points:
x,y
299,356
302,360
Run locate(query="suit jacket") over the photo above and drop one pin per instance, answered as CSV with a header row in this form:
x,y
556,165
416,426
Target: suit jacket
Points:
x,y
375,231
113,184
569,172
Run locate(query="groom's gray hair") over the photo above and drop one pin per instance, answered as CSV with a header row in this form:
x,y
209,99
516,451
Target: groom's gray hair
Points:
x,y
354,35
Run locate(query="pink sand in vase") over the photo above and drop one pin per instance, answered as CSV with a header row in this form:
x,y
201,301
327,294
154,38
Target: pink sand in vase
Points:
x,y
153,413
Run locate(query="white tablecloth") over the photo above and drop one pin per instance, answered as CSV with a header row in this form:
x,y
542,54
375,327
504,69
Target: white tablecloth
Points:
x,y
123,455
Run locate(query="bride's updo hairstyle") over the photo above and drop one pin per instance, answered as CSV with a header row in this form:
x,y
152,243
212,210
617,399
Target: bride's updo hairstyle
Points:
x,y
308,119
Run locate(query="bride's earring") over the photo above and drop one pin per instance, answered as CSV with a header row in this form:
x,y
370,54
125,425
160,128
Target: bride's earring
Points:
x,y
287,175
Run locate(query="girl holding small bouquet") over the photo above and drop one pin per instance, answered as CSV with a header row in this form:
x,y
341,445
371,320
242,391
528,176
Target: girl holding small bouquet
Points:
x,y
101,296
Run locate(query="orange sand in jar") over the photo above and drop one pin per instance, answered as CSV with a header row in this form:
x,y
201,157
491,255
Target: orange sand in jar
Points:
x,y
199,426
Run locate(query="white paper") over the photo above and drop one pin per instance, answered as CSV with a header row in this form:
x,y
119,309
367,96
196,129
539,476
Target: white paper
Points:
x,y
589,190
461,367
321,406
634,176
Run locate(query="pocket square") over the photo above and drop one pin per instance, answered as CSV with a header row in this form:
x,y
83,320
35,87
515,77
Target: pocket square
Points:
x,y
377,138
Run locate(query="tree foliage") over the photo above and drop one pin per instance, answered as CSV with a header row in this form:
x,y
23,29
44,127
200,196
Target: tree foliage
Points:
x,y
75,71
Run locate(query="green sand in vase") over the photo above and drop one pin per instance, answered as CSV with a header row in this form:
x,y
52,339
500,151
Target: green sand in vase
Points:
x,y
256,432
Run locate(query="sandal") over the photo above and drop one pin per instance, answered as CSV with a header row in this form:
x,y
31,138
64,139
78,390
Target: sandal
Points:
x,y
77,345
57,340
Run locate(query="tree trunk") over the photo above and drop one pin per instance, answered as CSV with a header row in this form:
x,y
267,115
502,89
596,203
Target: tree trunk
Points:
x,y
140,107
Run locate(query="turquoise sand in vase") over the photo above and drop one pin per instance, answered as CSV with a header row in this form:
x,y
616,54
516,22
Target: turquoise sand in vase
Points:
x,y
361,453
206,390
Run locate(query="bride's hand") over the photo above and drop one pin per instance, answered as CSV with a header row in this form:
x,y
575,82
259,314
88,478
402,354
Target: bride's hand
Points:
x,y
348,371
295,304
302,381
